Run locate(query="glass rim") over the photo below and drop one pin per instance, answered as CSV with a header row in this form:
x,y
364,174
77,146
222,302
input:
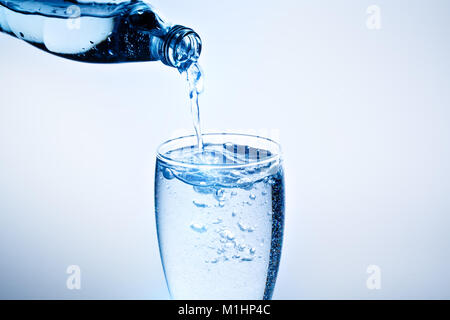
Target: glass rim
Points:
x,y
276,156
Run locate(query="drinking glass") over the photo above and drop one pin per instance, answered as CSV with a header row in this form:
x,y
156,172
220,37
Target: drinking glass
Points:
x,y
220,216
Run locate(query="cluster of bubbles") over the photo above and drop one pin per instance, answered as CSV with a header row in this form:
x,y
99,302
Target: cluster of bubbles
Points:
x,y
227,192
227,244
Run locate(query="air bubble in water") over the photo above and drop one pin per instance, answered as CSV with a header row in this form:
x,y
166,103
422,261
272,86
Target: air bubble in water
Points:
x,y
245,228
197,227
241,247
242,226
220,195
227,234
199,204
252,197
252,251
217,221
228,245
167,173
247,259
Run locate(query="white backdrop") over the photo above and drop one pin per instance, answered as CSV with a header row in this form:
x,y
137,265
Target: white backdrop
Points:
x,y
362,115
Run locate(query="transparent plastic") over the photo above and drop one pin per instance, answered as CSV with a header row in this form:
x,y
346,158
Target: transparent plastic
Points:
x,y
100,32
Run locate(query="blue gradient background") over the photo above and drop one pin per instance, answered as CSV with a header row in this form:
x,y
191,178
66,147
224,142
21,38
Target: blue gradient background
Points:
x,y
363,118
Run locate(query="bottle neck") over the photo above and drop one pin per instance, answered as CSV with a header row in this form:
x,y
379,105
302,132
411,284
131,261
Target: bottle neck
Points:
x,y
181,47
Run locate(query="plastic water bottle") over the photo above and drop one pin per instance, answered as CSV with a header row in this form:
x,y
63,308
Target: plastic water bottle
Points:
x,y
100,31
